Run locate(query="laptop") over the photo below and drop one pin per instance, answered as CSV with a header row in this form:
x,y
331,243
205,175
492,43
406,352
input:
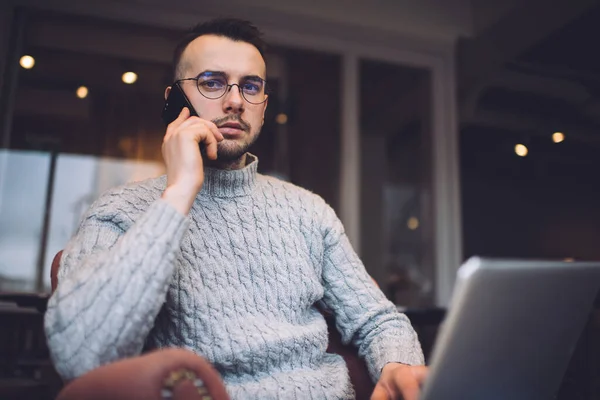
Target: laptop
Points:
x,y
511,329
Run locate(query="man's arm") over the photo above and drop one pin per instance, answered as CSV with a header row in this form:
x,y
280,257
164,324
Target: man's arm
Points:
x,y
111,287
112,284
363,314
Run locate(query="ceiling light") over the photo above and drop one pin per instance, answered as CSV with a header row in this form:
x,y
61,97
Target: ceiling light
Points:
x,y
129,77
412,223
558,137
521,150
27,62
82,92
281,119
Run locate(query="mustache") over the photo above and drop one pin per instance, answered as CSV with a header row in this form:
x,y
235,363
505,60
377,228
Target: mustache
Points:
x,y
231,118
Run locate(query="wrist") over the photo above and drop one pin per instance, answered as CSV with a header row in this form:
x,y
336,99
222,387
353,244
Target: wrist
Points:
x,y
180,198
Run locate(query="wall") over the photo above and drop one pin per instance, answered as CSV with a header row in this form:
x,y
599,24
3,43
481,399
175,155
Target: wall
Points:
x,y
5,18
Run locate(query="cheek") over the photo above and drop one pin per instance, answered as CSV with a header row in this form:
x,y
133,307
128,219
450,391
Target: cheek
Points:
x,y
255,118
207,109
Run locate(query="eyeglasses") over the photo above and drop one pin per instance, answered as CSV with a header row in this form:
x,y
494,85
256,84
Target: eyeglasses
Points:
x,y
213,85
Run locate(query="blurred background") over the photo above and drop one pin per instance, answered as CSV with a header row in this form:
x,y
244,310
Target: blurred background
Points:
x,y
438,130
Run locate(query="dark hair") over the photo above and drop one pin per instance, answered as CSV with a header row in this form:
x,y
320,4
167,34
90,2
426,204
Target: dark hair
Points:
x,y
235,29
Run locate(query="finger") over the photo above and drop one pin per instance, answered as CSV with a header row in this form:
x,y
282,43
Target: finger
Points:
x,y
210,143
205,123
198,132
420,373
380,393
176,123
193,120
215,130
408,387
183,115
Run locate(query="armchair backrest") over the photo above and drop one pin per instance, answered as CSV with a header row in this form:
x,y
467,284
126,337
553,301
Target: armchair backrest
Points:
x,y
54,270
176,374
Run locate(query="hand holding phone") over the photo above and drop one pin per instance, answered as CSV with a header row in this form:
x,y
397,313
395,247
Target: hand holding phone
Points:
x,y
175,102
185,169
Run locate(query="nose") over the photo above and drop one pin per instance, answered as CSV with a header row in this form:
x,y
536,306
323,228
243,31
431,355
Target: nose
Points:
x,y
233,101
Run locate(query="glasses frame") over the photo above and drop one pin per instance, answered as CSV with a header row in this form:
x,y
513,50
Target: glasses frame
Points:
x,y
227,90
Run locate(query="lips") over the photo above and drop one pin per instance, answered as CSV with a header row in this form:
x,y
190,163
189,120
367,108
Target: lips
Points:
x,y
231,130
232,125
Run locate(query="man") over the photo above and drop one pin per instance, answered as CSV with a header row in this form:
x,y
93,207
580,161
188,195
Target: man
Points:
x,y
221,260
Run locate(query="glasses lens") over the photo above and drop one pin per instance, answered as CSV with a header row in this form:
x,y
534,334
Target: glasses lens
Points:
x,y
212,87
253,90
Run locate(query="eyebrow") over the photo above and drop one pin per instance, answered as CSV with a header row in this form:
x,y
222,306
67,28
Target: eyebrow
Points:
x,y
224,74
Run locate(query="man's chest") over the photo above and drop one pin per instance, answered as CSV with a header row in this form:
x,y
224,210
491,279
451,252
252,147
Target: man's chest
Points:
x,y
262,266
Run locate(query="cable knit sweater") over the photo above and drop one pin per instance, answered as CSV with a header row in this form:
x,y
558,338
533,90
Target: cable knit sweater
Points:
x,y
237,282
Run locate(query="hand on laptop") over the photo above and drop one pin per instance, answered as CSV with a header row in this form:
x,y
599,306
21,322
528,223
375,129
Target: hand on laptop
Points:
x,y
400,381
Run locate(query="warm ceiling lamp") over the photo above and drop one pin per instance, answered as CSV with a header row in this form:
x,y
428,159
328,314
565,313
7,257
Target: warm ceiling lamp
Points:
x,y
521,150
27,62
281,118
82,92
558,137
129,77
412,223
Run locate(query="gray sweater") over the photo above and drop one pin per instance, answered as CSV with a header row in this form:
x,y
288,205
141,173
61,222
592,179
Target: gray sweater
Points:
x,y
237,282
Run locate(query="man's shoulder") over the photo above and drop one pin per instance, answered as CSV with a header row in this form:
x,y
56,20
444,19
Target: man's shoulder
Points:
x,y
291,192
279,184
129,198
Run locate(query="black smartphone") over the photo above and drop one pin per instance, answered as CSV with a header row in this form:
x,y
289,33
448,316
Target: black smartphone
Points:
x,y
174,103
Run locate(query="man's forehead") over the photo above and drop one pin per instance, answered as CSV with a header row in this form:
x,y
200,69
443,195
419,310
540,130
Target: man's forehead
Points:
x,y
216,53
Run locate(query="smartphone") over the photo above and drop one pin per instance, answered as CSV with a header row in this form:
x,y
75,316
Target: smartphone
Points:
x,y
174,103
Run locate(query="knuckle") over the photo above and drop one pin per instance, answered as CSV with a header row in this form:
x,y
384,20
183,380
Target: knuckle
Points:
x,y
170,129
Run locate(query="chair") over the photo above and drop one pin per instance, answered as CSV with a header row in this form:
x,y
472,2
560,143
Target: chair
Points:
x,y
162,374
25,368
181,374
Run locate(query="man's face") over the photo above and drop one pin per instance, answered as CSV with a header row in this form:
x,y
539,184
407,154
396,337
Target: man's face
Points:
x,y
232,62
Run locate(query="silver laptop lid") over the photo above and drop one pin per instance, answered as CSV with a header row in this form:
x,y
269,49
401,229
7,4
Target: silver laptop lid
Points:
x,y
511,329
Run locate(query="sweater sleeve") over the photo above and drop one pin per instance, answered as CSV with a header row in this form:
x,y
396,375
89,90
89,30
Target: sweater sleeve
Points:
x,y
363,315
112,284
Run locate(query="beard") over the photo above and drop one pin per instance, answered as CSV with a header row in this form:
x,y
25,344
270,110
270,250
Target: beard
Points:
x,y
229,150
232,150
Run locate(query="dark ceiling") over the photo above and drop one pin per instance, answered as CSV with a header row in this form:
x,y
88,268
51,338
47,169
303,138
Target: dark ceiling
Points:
x,y
552,86
571,50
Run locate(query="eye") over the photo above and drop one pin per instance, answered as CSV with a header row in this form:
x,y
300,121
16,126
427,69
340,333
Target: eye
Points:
x,y
212,84
251,88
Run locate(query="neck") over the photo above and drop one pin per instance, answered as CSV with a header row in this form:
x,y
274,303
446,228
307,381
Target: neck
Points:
x,y
228,165
219,182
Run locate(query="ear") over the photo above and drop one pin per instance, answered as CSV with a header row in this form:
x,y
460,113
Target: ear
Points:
x,y
167,91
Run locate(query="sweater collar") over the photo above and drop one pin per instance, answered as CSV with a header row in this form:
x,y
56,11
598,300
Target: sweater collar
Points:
x,y
230,183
